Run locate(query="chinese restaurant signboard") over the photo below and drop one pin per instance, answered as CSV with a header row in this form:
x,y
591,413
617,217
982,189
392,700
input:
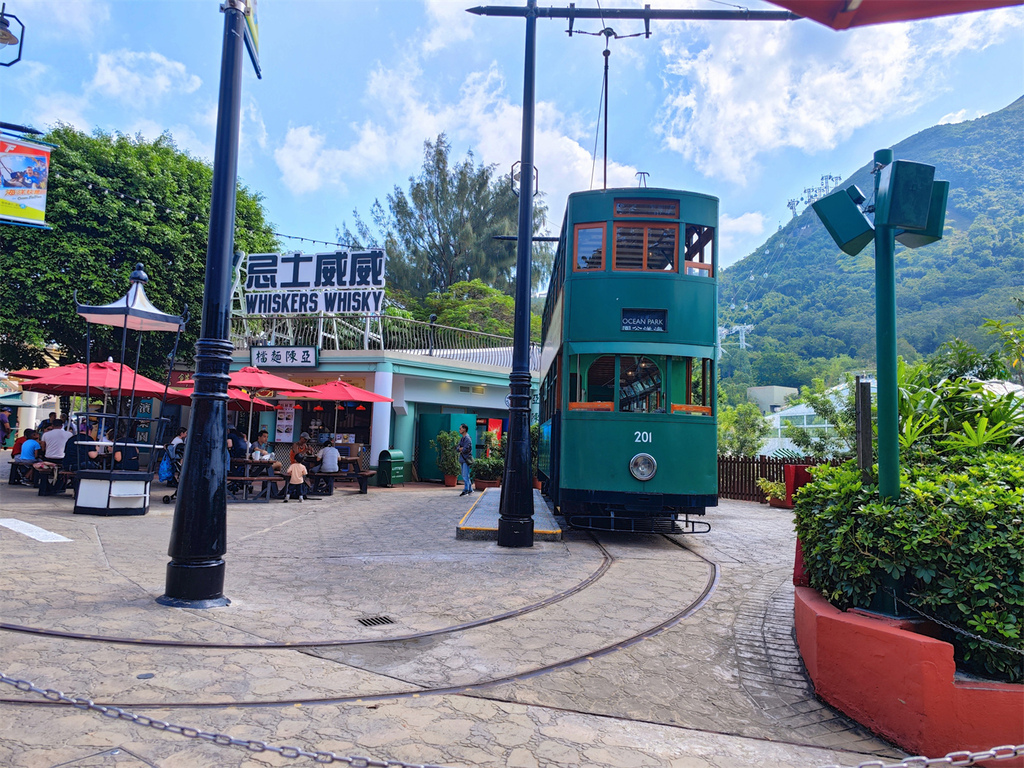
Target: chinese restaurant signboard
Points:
x,y
338,282
291,357
24,173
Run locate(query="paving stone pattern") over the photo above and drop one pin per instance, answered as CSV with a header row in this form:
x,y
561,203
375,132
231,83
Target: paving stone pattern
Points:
x,y
563,683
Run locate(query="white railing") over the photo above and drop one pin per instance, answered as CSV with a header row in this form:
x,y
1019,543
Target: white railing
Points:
x,y
392,334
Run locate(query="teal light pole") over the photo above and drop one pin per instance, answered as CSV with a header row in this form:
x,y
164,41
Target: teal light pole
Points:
x,y
885,348
910,206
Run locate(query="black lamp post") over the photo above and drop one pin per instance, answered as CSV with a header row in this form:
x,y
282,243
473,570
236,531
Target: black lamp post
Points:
x,y
195,575
515,526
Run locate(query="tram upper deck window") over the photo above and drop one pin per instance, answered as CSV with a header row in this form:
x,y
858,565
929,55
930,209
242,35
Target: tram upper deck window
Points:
x,y
645,247
698,245
641,387
589,250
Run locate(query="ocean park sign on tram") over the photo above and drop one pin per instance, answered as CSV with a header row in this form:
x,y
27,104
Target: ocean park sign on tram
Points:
x,y
337,282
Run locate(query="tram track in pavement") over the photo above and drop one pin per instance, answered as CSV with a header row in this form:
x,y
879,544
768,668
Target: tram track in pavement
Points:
x,y
418,692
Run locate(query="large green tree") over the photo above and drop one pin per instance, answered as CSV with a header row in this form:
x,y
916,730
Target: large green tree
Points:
x,y
742,430
441,231
98,236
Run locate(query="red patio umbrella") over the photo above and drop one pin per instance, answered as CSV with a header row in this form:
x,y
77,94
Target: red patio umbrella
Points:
x,y
106,377
843,14
238,400
42,373
252,379
339,390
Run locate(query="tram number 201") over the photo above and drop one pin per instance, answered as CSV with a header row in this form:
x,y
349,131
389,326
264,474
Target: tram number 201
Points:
x,y
643,437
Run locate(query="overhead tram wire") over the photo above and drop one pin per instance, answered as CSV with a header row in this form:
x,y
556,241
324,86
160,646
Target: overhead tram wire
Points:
x,y
608,33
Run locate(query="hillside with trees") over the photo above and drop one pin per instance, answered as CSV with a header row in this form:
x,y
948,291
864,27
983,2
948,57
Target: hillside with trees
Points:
x,y
813,306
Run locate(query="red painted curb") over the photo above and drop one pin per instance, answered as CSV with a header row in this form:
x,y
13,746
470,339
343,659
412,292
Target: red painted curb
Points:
x,y
900,684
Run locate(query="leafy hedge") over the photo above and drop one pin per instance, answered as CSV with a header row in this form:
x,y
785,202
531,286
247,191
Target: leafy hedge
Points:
x,y
955,540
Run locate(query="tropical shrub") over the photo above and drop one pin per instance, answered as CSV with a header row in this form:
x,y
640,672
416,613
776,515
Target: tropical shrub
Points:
x,y
447,446
488,468
954,540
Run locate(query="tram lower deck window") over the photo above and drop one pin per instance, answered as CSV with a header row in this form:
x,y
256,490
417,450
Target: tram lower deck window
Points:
x,y
641,384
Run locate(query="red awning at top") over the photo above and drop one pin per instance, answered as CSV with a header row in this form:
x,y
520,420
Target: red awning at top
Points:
x,y
843,14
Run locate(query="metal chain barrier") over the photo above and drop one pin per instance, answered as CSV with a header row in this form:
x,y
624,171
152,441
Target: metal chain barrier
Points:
x,y
954,628
953,758
223,740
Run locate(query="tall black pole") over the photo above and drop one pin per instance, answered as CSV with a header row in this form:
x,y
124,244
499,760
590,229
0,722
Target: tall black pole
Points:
x,y
515,526
195,575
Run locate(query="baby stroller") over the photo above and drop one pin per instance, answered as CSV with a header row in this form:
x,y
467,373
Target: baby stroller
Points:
x,y
170,470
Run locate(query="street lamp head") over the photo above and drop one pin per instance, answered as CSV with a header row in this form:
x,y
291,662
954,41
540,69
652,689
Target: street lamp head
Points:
x,y
6,36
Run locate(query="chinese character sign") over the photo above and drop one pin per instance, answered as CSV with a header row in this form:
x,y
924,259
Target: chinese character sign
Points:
x,y
299,283
24,174
291,357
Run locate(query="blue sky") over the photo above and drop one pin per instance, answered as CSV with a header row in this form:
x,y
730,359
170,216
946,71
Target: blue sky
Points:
x,y
752,112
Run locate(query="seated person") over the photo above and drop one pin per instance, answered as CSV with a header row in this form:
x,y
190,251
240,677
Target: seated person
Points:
x,y
31,452
237,447
301,448
296,480
77,456
261,450
175,449
125,456
328,458
16,448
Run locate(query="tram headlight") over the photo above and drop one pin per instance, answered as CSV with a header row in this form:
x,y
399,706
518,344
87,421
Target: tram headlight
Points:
x,y
643,466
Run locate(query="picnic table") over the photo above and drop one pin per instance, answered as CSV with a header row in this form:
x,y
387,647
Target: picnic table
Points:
x,y
245,473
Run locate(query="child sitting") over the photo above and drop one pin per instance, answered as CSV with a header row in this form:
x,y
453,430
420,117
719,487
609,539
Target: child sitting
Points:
x,y
296,480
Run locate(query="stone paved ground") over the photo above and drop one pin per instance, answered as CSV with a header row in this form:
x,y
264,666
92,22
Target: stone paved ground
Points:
x,y
572,674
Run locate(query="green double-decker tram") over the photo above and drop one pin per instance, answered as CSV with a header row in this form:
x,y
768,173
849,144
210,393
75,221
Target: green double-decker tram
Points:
x,y
627,400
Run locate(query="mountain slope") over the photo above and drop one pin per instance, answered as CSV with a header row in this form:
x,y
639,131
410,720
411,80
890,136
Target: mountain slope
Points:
x,y
801,291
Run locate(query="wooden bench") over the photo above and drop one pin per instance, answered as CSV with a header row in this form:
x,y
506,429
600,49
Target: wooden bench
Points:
x,y
65,478
245,489
363,478
18,470
323,482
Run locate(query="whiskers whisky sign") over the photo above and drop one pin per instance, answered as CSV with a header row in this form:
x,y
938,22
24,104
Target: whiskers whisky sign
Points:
x,y
337,282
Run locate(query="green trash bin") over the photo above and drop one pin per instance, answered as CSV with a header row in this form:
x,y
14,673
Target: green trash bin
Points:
x,y
390,468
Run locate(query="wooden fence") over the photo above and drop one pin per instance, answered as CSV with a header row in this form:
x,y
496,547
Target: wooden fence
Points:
x,y
737,475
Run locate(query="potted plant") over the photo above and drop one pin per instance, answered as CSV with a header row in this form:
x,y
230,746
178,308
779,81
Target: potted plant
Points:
x,y
447,446
487,472
774,490
534,452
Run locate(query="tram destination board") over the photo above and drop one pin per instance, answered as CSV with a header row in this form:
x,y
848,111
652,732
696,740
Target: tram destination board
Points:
x,y
644,320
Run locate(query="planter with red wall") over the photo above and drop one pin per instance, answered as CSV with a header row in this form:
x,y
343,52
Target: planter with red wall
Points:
x,y
901,684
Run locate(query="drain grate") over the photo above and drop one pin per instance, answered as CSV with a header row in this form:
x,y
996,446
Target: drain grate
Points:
x,y
376,621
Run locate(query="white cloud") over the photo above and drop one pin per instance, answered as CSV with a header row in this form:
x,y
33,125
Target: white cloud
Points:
x,y
957,117
736,91
735,235
449,24
50,109
60,19
186,138
482,118
138,78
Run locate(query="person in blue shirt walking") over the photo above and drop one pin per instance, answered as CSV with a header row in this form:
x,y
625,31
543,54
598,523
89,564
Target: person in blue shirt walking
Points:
x,y
465,459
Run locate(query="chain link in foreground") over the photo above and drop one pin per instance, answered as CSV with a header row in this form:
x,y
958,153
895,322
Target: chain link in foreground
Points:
x,y
117,713
953,758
